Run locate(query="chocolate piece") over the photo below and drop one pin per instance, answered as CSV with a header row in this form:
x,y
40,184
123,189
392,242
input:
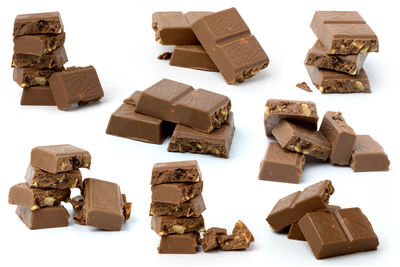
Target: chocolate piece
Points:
x,y
180,103
165,225
77,204
35,198
165,56
341,137
295,232
191,208
236,241
216,143
292,208
75,85
37,178
49,23
175,193
240,226
193,57
126,208
37,96
50,217
53,60
179,244
304,86
280,165
328,81
28,77
302,140
338,232
60,158
38,44
210,238
175,172
344,32
350,64
303,113
368,155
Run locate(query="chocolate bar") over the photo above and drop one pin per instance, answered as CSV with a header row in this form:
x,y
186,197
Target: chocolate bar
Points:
x,y
60,158
350,64
38,45
192,208
28,77
193,57
344,32
341,137
75,85
302,140
295,232
328,81
229,43
53,60
280,165
210,238
368,155
303,113
48,23
166,225
35,198
37,96
37,178
176,172
236,241
338,232
293,207
180,103
179,244
216,143
49,217
175,193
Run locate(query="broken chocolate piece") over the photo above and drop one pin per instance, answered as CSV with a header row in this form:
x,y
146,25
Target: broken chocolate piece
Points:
x,y
175,193
210,238
237,241
240,226
28,77
191,208
295,232
165,225
38,45
304,86
133,98
49,217
179,244
37,96
37,178
165,56
193,57
175,172
53,60
48,23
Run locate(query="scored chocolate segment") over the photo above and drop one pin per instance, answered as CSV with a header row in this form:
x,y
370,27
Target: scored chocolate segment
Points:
x,y
165,225
37,96
192,208
28,77
175,193
49,217
179,244
37,178
193,57
38,44
53,60
48,23
210,238
175,172
295,232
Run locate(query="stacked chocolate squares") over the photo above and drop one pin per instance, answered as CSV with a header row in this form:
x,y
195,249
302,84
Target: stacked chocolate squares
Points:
x,y
335,62
294,125
200,121
210,41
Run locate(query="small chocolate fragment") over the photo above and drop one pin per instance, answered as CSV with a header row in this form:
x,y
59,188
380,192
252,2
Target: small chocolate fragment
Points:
x,y
48,23
165,225
49,217
193,57
133,98
38,45
237,241
280,165
175,193
292,208
53,60
179,244
210,238
304,86
37,178
295,232
126,208
368,155
240,226
77,204
191,208
341,137
176,172
28,77
37,96
165,56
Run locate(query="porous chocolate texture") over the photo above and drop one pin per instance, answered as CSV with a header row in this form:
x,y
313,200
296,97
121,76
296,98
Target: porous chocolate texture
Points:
x,y
28,77
166,225
37,178
175,172
192,208
53,60
38,23
211,237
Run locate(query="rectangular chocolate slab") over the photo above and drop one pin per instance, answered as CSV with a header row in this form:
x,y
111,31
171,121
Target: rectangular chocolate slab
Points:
x,y
191,208
48,23
302,140
28,77
368,155
60,158
179,244
175,193
53,60
36,198
338,232
38,178
229,43
75,85
280,165
341,137
193,57
328,81
293,207
176,172
39,44
344,32
166,225
295,232
216,143
37,96
180,103
301,112
210,238
49,217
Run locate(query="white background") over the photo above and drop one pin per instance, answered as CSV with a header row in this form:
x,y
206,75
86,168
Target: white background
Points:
x,y
116,37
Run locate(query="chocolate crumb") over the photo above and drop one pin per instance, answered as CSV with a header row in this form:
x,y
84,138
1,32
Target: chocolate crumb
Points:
x,y
165,56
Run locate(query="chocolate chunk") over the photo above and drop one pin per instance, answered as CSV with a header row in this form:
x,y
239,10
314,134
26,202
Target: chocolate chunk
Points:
x,y
35,198
49,217
302,140
37,96
179,244
175,172
293,207
38,45
303,113
175,193
28,77
350,64
338,232
193,57
236,241
240,226
344,32
216,143
368,155
191,208
328,81
75,85
229,43
165,56
304,86
180,103
49,23
77,205
295,232
53,60
37,178
210,238
280,165
341,137
165,225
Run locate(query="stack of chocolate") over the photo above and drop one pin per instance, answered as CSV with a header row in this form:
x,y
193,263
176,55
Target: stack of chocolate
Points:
x,y
200,121
335,62
210,41
294,125
329,230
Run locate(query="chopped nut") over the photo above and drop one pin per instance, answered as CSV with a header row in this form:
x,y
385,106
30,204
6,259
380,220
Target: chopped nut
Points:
x,y
63,166
358,45
35,184
306,109
40,80
215,151
179,229
321,89
332,51
23,85
266,110
34,207
359,85
354,72
364,50
49,201
199,146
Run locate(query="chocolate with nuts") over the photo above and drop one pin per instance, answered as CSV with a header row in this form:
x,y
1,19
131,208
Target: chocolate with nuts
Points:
x,y
236,241
165,225
37,178
38,45
175,193
38,23
191,208
49,217
179,244
28,77
211,237
53,60
175,172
